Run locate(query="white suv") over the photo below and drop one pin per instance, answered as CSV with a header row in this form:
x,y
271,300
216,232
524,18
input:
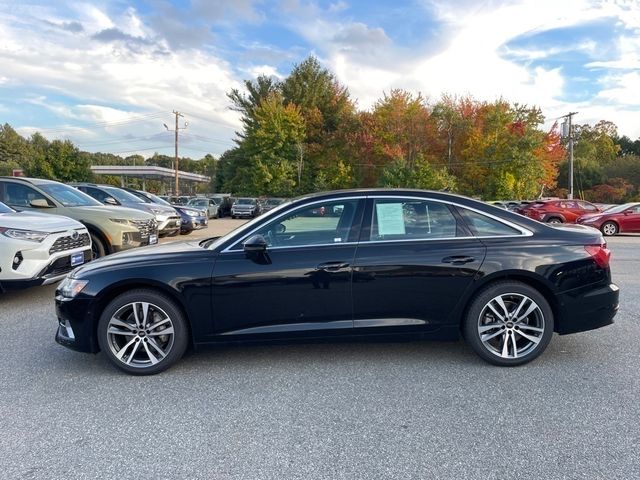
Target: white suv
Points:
x,y
38,249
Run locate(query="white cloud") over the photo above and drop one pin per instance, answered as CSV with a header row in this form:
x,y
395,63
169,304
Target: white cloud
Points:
x,y
146,77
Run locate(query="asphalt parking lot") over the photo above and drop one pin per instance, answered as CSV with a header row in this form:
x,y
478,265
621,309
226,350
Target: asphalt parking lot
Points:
x,y
366,410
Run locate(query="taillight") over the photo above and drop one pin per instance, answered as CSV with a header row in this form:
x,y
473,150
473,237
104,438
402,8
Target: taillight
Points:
x,y
600,253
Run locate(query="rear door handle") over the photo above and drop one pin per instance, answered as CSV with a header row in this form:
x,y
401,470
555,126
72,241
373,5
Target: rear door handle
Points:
x,y
458,259
332,266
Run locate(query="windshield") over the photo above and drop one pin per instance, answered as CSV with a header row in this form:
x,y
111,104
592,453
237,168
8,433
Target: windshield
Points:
x,y
68,196
199,203
157,199
273,201
5,209
245,201
122,196
620,208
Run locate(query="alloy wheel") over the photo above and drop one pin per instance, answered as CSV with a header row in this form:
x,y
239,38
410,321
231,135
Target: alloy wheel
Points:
x,y
511,325
140,334
609,229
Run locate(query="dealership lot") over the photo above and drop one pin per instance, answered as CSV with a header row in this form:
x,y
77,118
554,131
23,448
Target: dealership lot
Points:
x,y
369,410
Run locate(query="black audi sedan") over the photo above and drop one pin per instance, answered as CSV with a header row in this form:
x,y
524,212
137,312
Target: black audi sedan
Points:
x,y
390,264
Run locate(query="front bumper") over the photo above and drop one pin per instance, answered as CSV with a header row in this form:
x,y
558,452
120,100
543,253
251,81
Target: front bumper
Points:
x,y
242,213
76,329
38,266
169,225
587,308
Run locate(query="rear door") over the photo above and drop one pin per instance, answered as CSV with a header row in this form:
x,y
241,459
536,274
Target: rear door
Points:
x,y
414,261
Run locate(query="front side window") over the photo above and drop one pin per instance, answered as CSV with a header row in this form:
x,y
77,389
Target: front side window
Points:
x,y
319,224
18,195
409,219
483,226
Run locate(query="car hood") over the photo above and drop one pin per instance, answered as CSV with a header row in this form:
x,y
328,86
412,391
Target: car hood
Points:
x,y
592,215
106,212
139,256
38,221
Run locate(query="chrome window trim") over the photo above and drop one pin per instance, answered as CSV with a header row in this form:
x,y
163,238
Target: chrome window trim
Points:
x,y
524,232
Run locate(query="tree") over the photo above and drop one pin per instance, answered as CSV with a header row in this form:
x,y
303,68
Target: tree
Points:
x,y
418,174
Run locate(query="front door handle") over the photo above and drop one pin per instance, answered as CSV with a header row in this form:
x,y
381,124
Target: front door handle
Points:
x,y
332,266
458,259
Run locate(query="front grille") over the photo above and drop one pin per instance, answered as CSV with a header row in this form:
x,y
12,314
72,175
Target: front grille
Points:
x,y
146,227
69,243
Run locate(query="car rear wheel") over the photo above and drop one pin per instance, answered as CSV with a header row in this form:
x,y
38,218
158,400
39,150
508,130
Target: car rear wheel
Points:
x,y
609,229
508,323
554,220
142,332
97,246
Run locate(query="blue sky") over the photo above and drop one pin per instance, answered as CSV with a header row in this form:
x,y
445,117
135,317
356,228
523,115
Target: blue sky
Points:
x,y
108,73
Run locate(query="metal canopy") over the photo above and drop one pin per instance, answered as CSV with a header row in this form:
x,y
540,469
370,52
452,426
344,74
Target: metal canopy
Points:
x,y
145,172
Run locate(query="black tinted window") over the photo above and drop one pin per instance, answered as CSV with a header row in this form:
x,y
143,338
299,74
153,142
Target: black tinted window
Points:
x,y
483,226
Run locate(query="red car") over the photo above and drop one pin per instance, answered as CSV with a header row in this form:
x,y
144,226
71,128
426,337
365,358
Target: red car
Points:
x,y
621,219
558,211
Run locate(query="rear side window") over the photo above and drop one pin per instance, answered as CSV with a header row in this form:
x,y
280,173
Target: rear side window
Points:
x,y
410,219
483,226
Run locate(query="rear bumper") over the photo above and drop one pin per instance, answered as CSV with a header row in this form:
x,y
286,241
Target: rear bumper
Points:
x,y
582,310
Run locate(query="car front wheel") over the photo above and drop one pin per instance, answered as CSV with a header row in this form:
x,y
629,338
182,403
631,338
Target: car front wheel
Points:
x,y
609,229
509,323
554,220
142,332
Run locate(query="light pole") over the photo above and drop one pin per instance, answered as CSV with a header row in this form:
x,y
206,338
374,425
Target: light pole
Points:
x,y
176,160
567,132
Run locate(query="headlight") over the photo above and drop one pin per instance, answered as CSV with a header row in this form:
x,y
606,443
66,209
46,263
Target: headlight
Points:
x,y
122,221
192,213
70,287
591,219
157,211
32,235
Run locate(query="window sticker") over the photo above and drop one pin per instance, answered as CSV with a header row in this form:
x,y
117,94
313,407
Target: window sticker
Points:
x,y
390,219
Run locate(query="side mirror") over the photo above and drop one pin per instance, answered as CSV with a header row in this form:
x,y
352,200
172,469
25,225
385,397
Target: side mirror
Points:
x,y
628,212
110,201
39,203
255,243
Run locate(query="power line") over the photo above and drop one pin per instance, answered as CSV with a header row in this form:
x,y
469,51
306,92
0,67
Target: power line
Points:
x,y
143,118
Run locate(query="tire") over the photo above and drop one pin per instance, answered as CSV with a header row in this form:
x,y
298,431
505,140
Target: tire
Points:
x,y
140,351
186,232
554,220
486,333
233,216
98,248
609,229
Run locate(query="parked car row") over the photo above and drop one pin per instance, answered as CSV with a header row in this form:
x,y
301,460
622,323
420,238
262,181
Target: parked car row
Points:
x,y
47,228
609,219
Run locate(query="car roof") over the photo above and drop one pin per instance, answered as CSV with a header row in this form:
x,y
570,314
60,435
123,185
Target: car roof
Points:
x,y
33,181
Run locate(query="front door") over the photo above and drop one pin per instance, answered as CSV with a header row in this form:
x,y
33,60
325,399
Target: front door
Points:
x,y
301,284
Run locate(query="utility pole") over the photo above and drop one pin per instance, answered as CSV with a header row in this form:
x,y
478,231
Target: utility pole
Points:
x,y
176,160
567,132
